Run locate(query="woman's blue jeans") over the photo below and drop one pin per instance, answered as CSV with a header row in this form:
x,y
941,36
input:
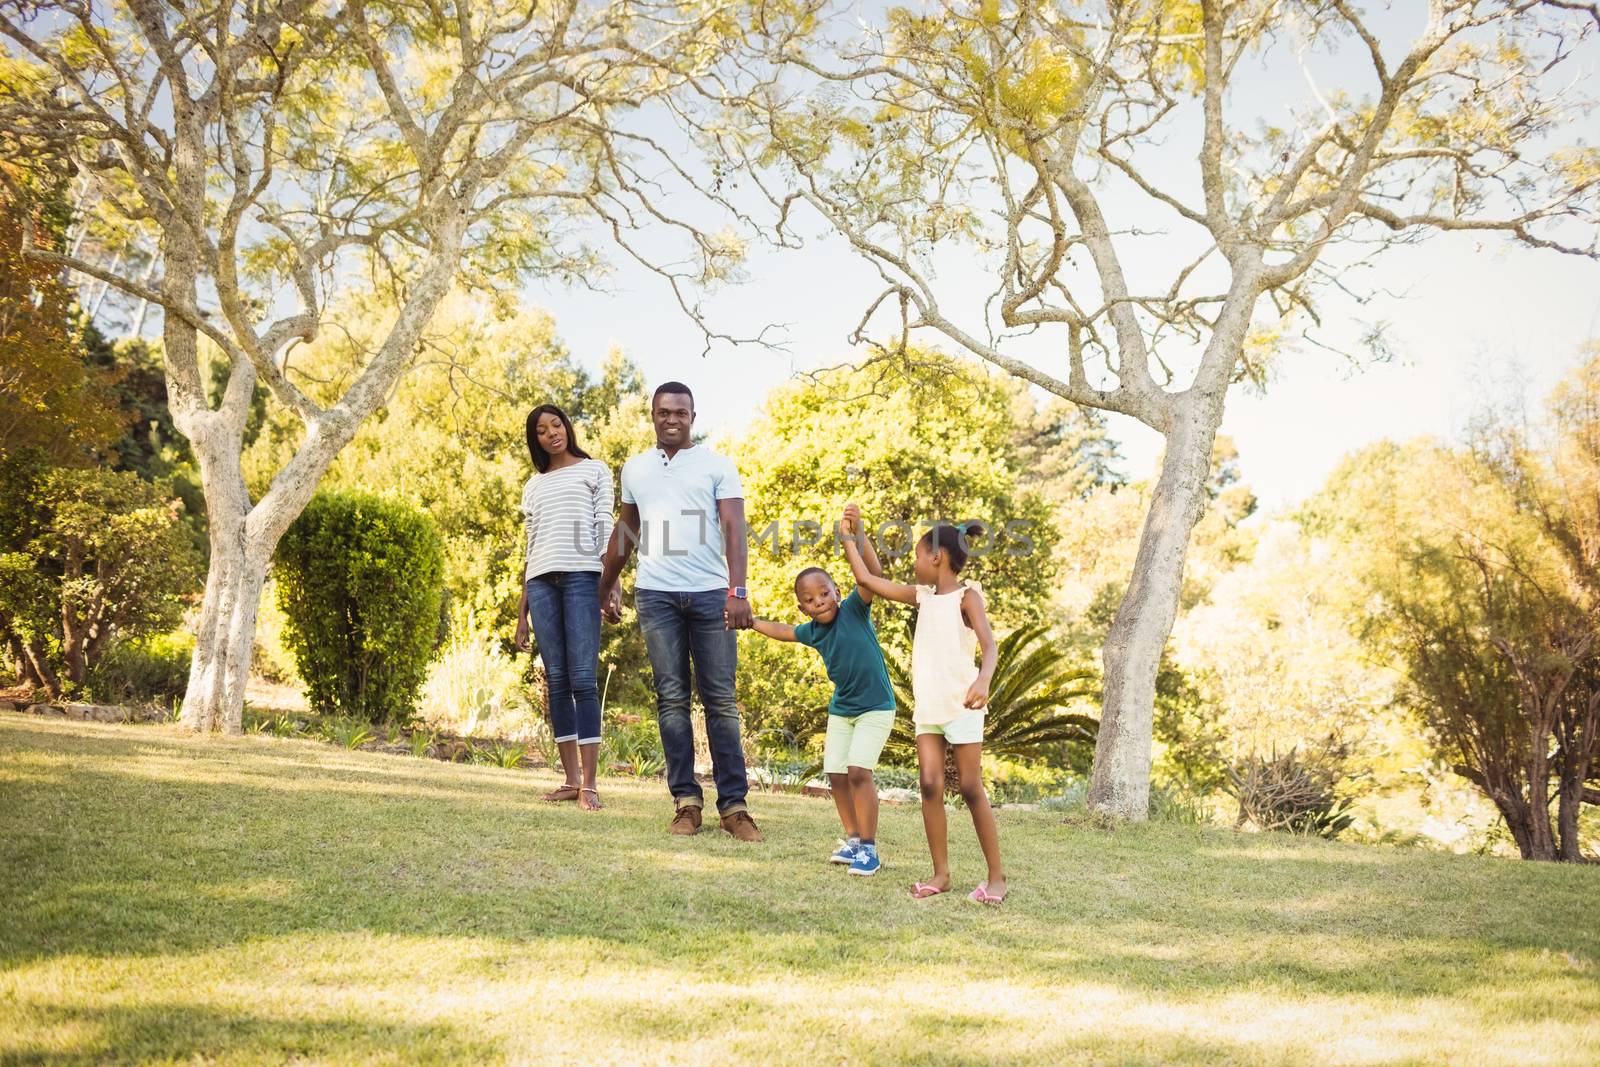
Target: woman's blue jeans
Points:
x,y
564,608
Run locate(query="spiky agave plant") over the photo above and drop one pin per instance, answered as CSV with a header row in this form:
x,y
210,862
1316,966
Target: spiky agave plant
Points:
x,y
1031,698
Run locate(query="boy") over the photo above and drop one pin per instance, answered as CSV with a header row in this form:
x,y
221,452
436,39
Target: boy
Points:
x,y
862,709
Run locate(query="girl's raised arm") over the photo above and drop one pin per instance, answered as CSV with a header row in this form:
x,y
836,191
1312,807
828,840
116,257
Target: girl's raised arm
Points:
x,y
873,583
852,522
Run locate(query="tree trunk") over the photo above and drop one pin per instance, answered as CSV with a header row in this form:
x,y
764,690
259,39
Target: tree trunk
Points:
x,y
1569,801
214,700
74,661
34,664
1541,835
1121,781
224,638
1529,822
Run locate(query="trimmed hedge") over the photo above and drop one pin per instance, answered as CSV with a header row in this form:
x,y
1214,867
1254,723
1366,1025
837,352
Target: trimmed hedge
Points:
x,y
360,580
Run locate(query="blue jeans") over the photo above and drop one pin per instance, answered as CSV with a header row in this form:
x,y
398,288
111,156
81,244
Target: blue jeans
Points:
x,y
564,608
681,629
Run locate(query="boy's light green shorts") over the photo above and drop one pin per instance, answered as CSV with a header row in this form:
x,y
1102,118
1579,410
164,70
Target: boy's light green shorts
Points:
x,y
855,740
966,730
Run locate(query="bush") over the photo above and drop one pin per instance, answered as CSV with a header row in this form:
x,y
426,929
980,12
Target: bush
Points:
x,y
1032,697
1172,803
1291,791
636,744
86,557
360,581
151,670
476,688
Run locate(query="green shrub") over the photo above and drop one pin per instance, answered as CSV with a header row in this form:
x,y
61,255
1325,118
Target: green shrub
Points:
x,y
475,687
360,580
636,744
1176,804
422,741
87,557
148,670
346,733
896,776
501,755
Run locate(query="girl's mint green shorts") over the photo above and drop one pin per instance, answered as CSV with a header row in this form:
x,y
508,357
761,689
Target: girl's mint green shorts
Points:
x,y
966,730
855,740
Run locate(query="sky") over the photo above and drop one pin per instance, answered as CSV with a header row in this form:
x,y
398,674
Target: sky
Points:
x,y
1462,310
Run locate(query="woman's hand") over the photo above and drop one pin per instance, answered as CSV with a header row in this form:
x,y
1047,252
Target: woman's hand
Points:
x,y
520,641
977,694
611,609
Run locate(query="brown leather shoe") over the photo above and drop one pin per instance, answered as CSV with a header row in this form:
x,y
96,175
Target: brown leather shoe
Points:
x,y
742,826
687,822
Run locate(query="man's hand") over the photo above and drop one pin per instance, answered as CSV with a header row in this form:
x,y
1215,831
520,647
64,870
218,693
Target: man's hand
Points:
x,y
736,614
977,694
611,605
520,642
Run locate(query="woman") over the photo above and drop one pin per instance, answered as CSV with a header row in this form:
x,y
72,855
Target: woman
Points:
x,y
567,515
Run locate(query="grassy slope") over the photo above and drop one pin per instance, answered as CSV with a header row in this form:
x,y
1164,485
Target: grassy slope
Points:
x,y
259,900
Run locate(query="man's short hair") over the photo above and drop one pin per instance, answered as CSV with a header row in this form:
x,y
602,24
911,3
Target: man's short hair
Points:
x,y
671,387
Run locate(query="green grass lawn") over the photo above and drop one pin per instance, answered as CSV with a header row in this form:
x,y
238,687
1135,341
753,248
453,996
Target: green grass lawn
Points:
x,y
169,898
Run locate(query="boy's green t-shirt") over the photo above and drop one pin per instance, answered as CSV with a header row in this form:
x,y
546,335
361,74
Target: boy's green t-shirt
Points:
x,y
853,658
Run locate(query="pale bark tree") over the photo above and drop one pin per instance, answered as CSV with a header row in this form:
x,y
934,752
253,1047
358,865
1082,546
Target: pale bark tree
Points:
x,y
1019,133
279,153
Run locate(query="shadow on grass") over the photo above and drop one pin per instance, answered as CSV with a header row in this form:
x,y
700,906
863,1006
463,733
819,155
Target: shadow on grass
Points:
x,y
177,846
128,1033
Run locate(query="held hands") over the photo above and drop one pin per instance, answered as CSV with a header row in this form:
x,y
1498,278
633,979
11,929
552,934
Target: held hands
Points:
x,y
977,694
611,606
850,522
737,614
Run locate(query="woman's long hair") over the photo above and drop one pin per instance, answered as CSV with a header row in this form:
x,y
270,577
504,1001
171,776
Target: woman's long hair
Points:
x,y
541,458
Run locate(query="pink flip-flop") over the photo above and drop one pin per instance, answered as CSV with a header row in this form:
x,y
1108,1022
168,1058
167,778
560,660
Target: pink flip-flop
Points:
x,y
922,891
981,895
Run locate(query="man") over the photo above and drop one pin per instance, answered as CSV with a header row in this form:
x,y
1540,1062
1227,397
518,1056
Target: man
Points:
x,y
683,508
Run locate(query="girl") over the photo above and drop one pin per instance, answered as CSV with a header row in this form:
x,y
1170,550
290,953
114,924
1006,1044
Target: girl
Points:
x,y
948,691
567,515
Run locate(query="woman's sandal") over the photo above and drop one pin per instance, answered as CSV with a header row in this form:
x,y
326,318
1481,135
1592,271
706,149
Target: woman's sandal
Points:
x,y
982,895
562,792
922,891
597,805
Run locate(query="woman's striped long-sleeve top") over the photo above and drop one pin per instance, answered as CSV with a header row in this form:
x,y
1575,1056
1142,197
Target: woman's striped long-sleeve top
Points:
x,y
567,517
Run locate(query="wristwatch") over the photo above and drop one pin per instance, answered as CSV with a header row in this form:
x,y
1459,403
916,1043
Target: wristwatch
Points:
x,y
739,591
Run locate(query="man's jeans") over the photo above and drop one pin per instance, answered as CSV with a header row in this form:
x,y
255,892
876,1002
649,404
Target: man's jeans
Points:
x,y
564,607
680,629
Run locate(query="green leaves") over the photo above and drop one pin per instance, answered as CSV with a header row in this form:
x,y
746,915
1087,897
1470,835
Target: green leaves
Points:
x,y
911,440
360,579
1032,702
99,554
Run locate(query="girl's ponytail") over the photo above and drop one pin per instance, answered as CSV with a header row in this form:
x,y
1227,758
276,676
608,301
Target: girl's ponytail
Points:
x,y
954,542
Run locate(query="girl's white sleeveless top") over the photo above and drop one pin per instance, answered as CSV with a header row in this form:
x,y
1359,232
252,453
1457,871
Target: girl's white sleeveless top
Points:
x,y
942,650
